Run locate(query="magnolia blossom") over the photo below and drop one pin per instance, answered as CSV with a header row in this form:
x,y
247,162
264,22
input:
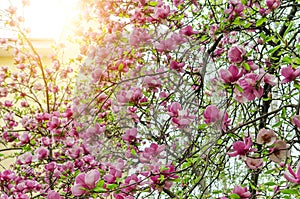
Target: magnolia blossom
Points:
x,y
188,31
139,36
289,74
296,121
213,115
241,148
53,195
250,88
266,136
152,153
279,152
242,192
254,163
177,66
272,4
174,108
84,182
130,135
231,75
180,117
292,176
236,54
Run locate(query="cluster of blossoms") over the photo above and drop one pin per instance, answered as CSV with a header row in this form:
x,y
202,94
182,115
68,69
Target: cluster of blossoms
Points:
x,y
277,153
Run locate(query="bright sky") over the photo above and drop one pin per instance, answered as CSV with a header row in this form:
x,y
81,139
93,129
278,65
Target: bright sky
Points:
x,y
45,18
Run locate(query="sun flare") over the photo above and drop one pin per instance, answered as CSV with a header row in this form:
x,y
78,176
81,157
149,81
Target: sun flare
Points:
x,y
45,18
49,19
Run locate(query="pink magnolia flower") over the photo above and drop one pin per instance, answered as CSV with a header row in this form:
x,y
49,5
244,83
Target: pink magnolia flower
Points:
x,y
152,82
133,95
296,121
130,135
254,163
292,176
3,92
242,148
130,183
231,75
180,117
279,152
41,153
53,195
184,118
252,65
166,45
235,9
289,74
267,78
162,12
139,36
84,182
273,4
188,31
174,108
152,153
251,88
213,115
266,136
177,2
236,54
24,138
25,158
242,192
177,66
54,123
8,103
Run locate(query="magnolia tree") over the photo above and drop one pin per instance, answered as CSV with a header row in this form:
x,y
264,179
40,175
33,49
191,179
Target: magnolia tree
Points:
x,y
167,99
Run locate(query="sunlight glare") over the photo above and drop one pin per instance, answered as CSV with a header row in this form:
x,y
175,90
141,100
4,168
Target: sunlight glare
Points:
x,y
49,18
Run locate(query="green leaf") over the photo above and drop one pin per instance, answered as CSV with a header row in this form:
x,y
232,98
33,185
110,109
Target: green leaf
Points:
x,y
288,29
111,186
161,178
99,190
234,196
297,86
297,60
277,124
246,66
273,49
289,191
261,21
217,192
283,114
163,169
133,152
100,183
270,183
239,88
202,126
153,3
287,60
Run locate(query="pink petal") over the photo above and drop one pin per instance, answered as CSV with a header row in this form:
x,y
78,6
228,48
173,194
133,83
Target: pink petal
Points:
x,y
298,170
287,72
80,179
290,178
78,190
92,178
